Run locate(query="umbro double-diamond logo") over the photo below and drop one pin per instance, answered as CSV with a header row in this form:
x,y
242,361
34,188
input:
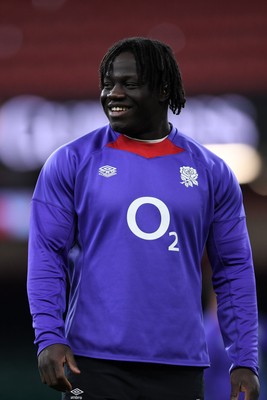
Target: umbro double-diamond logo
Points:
x,y
76,394
107,171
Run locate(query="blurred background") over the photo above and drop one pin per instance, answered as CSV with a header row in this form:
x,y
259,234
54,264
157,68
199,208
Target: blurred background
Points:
x,y
50,51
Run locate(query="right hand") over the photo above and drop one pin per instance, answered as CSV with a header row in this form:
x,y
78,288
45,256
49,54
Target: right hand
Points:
x,y
51,363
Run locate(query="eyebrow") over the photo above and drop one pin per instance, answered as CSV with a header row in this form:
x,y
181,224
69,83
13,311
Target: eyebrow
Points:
x,y
123,77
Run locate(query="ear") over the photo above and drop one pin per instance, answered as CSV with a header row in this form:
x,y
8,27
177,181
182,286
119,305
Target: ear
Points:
x,y
164,93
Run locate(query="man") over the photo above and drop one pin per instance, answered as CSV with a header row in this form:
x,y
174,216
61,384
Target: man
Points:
x,y
120,220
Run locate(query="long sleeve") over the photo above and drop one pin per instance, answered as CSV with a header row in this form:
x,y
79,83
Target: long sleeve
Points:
x,y
233,275
52,227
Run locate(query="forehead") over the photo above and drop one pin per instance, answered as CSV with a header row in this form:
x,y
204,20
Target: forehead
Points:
x,y
123,64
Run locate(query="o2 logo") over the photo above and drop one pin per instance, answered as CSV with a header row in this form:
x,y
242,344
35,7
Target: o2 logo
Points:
x,y
164,221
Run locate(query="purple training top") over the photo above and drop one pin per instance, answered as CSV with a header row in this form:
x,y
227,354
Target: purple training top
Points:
x,y
124,225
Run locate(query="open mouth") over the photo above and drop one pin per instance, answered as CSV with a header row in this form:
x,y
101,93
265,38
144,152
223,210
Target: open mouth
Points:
x,y
118,110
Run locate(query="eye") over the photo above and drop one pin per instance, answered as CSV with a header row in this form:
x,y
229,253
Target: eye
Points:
x,y
132,85
107,85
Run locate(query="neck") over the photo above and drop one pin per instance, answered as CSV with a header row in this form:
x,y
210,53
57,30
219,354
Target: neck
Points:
x,y
157,135
148,140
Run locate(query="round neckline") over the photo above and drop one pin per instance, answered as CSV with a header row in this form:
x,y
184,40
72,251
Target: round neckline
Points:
x,y
148,140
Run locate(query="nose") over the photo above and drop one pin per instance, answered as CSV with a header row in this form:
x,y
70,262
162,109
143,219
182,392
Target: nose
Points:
x,y
116,92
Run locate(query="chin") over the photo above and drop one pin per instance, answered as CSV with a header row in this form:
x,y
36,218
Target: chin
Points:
x,y
118,127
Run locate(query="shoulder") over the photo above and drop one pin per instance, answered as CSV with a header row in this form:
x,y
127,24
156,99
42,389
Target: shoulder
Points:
x,y
196,150
88,143
217,174
201,155
63,164
74,152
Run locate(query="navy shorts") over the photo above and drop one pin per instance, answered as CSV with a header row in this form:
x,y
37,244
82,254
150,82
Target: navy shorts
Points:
x,y
123,380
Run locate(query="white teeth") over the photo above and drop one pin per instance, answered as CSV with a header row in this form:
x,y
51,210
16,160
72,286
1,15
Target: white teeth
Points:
x,y
118,108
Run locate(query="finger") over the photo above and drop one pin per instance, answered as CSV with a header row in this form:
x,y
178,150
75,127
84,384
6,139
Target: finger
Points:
x,y
55,378
251,391
251,395
71,362
62,385
43,380
59,380
46,375
235,392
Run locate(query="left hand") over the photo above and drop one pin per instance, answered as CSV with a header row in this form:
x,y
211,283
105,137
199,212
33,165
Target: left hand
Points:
x,y
244,380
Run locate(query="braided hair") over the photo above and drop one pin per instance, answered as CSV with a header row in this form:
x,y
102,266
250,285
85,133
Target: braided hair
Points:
x,y
155,63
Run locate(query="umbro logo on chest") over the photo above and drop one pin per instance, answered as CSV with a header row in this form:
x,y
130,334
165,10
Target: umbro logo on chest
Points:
x,y
107,171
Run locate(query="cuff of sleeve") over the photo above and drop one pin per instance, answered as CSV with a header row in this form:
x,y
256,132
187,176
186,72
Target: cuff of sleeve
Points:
x,y
42,345
255,370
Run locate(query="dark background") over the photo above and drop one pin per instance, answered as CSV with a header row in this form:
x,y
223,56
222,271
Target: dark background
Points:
x,y
52,48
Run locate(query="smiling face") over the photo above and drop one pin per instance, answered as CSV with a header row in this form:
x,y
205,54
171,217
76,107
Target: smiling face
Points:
x,y
130,105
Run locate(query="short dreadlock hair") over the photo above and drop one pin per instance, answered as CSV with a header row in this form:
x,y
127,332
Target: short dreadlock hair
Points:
x,y
155,63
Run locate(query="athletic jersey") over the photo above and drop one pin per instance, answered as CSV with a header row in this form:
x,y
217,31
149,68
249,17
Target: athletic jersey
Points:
x,y
123,225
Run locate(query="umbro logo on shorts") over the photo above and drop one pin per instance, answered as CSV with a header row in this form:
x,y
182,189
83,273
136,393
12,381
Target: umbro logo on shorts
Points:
x,y
76,394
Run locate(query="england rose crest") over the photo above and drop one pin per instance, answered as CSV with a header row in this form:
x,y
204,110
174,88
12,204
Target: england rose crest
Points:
x,y
189,176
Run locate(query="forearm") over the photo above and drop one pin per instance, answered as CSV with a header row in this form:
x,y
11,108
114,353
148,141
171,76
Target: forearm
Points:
x,y
234,284
47,299
239,328
47,276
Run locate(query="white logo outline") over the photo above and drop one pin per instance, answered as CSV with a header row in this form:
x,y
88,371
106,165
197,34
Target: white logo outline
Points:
x,y
77,391
164,213
189,176
107,171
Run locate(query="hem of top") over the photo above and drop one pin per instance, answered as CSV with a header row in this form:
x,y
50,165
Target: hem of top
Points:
x,y
141,360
